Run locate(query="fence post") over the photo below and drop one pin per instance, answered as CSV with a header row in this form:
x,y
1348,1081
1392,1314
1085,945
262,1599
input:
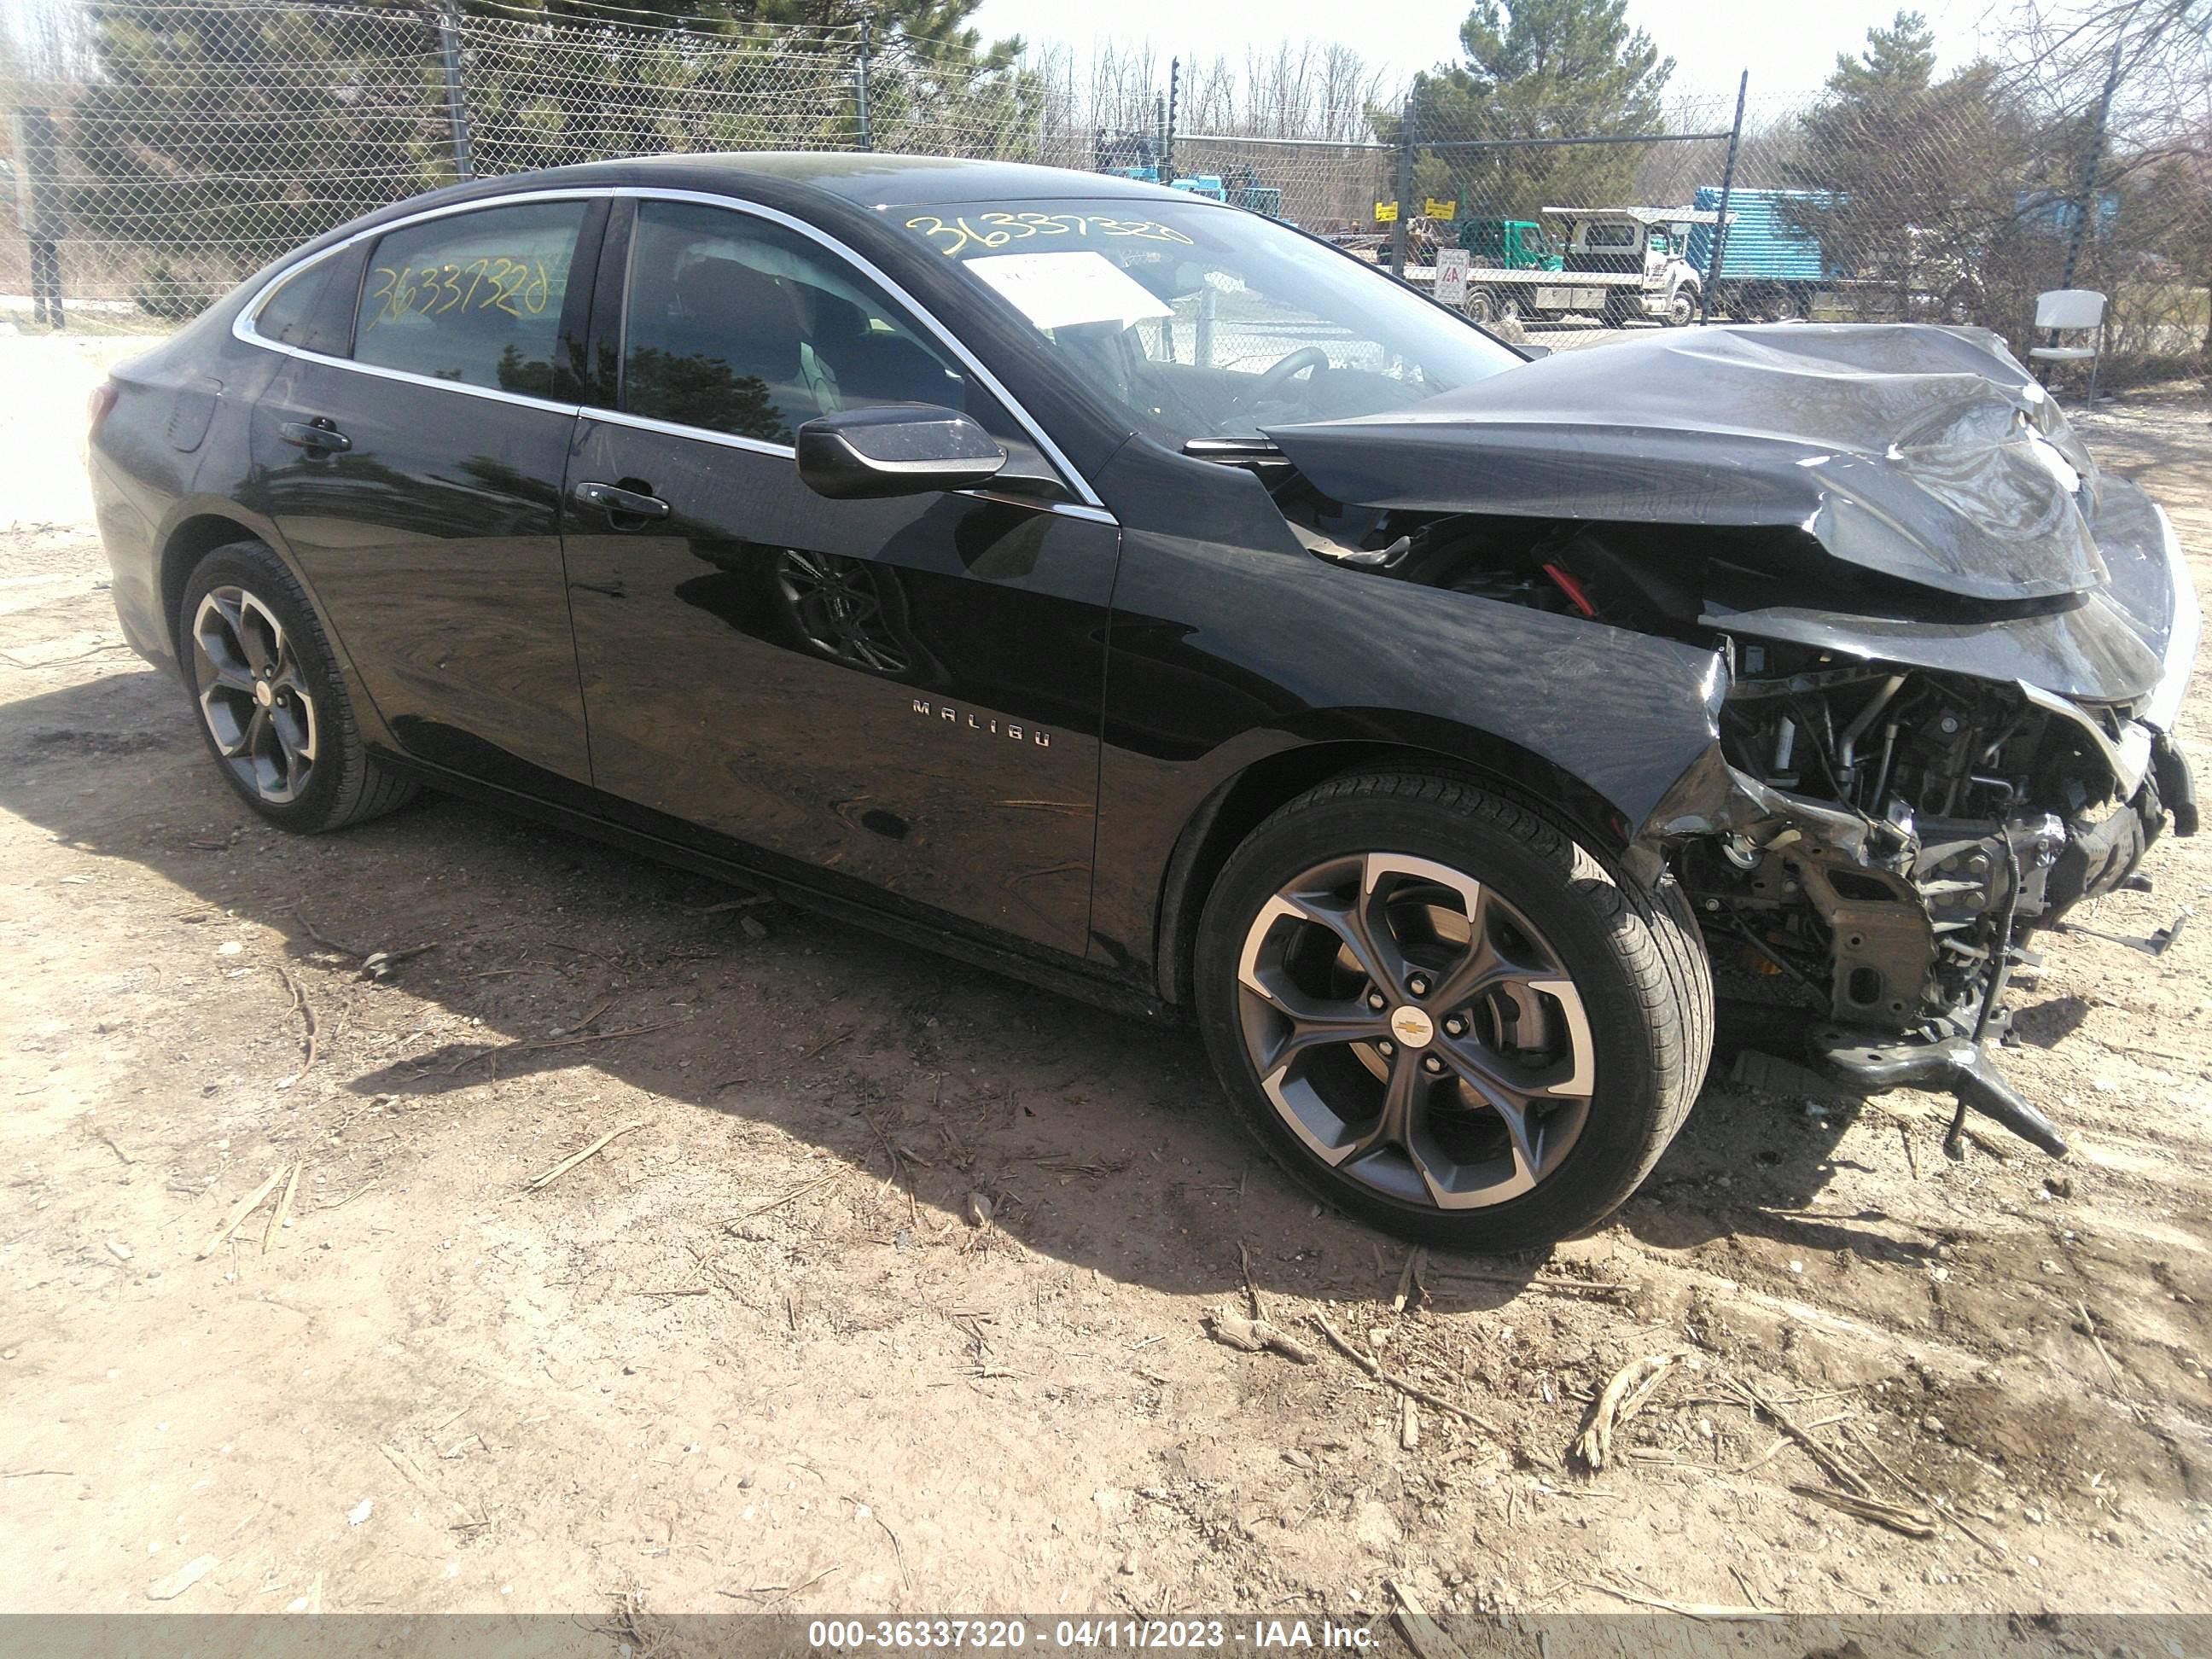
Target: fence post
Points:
x,y
1721,218
1405,188
861,86
457,97
1167,135
38,207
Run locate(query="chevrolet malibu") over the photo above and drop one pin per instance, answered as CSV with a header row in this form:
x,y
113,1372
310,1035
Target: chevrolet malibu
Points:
x,y
1139,596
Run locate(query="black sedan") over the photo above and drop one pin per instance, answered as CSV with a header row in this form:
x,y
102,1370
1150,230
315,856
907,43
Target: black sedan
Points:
x,y
1139,595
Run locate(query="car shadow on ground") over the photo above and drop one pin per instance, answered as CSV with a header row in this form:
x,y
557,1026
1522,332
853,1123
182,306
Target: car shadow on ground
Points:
x,y
1103,1140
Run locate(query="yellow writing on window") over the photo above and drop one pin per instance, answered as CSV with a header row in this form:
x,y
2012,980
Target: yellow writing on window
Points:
x,y
493,281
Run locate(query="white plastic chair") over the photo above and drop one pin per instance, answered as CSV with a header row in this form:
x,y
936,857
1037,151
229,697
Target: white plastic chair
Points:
x,y
2071,311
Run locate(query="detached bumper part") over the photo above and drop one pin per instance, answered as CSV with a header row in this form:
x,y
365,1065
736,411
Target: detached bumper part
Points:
x,y
1867,1059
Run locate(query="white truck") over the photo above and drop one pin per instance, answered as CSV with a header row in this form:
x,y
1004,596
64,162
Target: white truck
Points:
x,y
1612,263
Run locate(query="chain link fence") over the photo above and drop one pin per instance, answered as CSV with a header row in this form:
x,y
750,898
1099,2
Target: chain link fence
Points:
x,y
162,149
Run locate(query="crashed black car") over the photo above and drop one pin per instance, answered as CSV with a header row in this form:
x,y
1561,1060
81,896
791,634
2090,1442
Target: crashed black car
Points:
x,y
1144,597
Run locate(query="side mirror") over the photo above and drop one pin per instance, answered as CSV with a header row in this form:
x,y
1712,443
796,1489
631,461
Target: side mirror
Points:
x,y
1531,350
895,449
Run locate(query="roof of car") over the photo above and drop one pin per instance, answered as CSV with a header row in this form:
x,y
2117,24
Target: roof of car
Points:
x,y
873,180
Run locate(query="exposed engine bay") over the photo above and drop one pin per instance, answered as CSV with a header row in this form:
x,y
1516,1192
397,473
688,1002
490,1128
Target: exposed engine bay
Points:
x,y
1926,749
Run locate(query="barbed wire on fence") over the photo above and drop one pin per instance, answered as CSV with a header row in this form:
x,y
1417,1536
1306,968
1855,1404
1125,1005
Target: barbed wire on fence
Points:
x,y
163,149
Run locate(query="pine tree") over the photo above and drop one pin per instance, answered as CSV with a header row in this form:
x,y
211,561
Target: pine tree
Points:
x,y
1536,69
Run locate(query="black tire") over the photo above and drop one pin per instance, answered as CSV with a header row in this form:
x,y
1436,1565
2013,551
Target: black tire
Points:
x,y
1681,306
1634,956
1481,307
339,783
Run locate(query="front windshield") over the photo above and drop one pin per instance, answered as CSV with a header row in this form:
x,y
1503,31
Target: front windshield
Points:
x,y
1202,322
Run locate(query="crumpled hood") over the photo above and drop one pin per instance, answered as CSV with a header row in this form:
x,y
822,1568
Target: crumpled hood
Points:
x,y
1925,454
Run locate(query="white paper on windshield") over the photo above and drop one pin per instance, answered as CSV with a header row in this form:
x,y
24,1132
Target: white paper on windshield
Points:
x,y
1060,290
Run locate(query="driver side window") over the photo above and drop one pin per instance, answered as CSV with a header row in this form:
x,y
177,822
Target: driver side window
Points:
x,y
738,326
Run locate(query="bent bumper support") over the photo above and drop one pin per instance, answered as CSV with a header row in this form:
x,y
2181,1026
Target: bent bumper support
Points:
x,y
1873,1060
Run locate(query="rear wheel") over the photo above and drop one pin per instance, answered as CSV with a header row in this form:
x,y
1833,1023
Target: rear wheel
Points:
x,y
270,703
1443,1014
1481,306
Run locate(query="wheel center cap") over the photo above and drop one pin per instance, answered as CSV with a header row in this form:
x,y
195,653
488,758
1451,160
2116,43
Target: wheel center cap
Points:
x,y
1414,1028
263,693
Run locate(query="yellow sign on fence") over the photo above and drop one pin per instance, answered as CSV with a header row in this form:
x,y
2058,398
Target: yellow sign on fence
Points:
x,y
1386,213
1436,209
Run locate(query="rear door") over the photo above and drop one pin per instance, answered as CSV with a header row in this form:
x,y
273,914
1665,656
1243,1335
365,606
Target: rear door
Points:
x,y
416,475
904,693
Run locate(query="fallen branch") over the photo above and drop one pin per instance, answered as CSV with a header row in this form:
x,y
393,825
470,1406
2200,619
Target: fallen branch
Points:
x,y
1373,1370
1255,1336
1630,1389
282,1213
237,1217
1830,1464
1914,1523
574,1158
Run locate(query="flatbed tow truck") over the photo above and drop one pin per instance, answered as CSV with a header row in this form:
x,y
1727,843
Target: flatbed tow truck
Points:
x,y
1615,264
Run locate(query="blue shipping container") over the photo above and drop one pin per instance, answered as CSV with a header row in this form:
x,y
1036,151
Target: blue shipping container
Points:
x,y
1762,243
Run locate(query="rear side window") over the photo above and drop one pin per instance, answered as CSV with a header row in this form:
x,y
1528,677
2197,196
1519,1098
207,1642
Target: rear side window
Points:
x,y
474,298
300,312
739,325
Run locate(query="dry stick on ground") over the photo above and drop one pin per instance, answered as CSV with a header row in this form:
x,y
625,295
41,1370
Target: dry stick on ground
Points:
x,y
2089,1329
1631,1386
558,1042
323,938
791,1197
1422,1634
1585,1286
306,1010
1914,1523
1406,1277
574,1158
1701,1610
237,1217
1252,1335
1830,1464
1867,1445
1251,1287
279,1216
1336,1340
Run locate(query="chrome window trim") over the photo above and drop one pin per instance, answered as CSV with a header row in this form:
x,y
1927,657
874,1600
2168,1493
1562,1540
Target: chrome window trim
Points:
x,y
1090,507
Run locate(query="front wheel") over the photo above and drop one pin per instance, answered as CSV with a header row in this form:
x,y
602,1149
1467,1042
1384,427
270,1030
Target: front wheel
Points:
x,y
1447,1016
1682,308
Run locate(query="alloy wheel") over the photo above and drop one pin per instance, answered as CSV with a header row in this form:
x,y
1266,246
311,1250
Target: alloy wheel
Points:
x,y
1415,1031
253,694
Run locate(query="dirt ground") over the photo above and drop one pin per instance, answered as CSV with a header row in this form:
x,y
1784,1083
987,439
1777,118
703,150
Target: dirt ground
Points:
x,y
753,1355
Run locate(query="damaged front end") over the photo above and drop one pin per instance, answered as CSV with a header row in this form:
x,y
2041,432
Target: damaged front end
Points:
x,y
1955,658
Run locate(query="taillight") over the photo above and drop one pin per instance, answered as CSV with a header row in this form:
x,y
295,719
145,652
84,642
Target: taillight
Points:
x,y
97,405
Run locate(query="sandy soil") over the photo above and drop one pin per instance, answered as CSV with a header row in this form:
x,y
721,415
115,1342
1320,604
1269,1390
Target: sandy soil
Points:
x,y
752,1354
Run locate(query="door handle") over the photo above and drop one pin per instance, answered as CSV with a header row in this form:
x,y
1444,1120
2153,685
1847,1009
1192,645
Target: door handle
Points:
x,y
318,433
619,503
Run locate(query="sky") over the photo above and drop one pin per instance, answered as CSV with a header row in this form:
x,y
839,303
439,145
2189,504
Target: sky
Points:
x,y
1789,46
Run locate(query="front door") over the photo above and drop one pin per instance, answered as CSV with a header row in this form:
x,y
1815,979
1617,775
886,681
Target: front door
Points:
x,y
418,481
904,693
